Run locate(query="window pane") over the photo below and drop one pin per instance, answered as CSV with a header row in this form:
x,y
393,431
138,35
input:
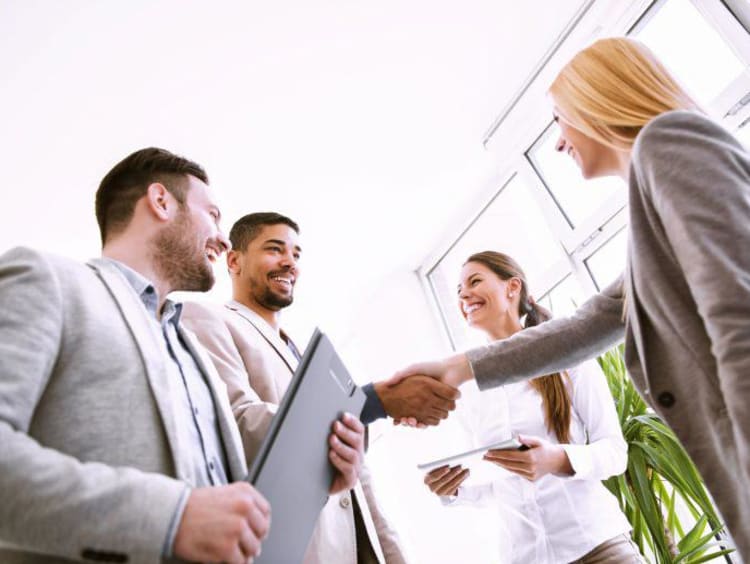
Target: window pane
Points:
x,y
577,198
693,50
608,261
513,224
743,135
564,298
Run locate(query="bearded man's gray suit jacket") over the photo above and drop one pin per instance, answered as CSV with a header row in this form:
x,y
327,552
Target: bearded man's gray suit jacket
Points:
x,y
90,464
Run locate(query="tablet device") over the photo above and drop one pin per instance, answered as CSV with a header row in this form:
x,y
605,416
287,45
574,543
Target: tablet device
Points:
x,y
510,444
292,469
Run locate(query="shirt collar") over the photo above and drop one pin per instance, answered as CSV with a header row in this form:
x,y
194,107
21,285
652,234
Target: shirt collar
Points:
x,y
289,343
171,311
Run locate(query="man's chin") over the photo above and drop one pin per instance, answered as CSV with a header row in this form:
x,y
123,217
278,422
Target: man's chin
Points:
x,y
202,283
207,282
276,302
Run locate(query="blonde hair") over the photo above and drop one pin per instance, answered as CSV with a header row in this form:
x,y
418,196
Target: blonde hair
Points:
x,y
614,87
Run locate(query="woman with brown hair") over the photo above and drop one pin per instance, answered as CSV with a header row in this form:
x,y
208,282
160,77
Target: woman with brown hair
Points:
x,y
552,500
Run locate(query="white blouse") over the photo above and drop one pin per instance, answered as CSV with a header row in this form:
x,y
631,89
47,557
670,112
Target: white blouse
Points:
x,y
556,519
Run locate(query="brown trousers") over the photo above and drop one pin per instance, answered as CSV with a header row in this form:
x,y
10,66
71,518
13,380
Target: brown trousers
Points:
x,y
618,550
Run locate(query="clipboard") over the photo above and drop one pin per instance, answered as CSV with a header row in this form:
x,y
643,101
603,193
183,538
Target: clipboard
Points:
x,y
292,469
509,444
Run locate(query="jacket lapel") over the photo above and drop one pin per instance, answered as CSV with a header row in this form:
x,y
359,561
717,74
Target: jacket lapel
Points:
x,y
227,426
635,345
146,338
367,518
265,330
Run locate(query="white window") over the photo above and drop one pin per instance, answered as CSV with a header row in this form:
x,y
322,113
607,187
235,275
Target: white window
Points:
x,y
743,133
569,234
564,298
576,198
682,37
512,223
607,262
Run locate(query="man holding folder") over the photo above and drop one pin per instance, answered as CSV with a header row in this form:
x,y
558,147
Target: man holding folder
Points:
x,y
257,360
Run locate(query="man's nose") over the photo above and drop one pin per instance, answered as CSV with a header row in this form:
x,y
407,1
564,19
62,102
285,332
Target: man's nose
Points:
x,y
288,259
224,243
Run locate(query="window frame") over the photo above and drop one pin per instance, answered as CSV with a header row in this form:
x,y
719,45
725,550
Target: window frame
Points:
x,y
522,125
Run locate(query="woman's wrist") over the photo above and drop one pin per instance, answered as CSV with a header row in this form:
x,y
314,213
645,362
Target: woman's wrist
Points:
x,y
563,467
458,370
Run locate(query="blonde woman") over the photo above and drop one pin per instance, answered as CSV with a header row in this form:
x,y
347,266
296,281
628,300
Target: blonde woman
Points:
x,y
683,303
551,497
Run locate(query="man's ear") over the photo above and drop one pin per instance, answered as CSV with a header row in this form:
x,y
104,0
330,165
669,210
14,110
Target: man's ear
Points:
x,y
234,262
159,201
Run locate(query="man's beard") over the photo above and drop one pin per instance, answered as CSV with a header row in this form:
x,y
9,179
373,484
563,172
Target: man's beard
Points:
x,y
270,300
179,259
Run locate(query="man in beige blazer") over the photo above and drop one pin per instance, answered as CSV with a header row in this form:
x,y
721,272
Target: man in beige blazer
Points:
x,y
257,359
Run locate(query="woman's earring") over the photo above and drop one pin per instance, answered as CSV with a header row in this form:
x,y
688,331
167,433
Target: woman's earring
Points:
x,y
510,295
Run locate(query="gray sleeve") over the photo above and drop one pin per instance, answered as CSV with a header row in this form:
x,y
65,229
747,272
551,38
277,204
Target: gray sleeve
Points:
x,y
51,501
697,177
174,524
555,345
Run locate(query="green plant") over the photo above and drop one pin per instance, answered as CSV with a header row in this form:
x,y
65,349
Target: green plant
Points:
x,y
659,479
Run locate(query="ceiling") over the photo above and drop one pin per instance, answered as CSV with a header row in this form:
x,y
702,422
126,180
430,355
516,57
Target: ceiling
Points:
x,y
361,120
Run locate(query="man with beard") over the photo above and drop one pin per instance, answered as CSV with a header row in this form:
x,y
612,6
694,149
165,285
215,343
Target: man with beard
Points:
x,y
257,360
118,441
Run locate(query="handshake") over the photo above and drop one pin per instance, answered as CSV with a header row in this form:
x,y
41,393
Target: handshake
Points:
x,y
228,523
423,394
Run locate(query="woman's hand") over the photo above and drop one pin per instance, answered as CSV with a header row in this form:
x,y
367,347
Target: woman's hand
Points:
x,y
453,371
541,458
446,479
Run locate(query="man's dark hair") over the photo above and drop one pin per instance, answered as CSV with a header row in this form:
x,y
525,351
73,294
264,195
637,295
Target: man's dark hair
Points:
x,y
128,181
246,228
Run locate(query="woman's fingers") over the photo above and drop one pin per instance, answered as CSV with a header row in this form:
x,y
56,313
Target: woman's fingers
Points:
x,y
518,467
450,485
446,479
436,474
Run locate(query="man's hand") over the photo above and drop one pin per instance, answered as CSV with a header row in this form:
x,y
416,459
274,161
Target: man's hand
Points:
x,y
540,459
421,398
453,371
223,524
446,479
347,444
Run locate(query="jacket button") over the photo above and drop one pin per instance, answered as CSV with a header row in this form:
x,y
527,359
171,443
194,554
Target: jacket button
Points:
x,y
344,502
666,399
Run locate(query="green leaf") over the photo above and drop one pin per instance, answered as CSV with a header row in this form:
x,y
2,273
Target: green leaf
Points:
x,y
712,556
689,541
659,480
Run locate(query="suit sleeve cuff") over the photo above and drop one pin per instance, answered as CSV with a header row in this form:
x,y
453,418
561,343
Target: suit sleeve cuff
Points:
x,y
478,494
175,524
373,408
580,460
